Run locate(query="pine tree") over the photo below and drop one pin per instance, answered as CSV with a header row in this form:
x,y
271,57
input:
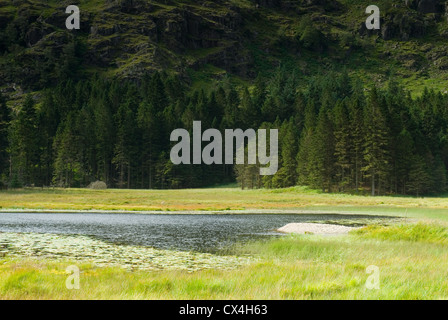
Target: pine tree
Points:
x,y
323,151
146,119
202,111
269,109
419,179
68,166
316,151
221,101
287,174
124,151
231,114
88,144
150,117
356,119
439,175
259,92
104,134
304,164
376,146
250,113
215,110
156,93
175,89
5,119
403,159
68,64
26,146
48,122
343,145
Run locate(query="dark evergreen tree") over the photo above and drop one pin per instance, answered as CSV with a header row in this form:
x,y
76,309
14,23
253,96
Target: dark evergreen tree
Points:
x,y
249,113
419,178
287,174
125,149
376,145
5,119
25,144
343,145
68,165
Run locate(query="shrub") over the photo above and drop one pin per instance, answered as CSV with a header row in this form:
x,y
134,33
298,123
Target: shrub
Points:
x,y
97,185
15,183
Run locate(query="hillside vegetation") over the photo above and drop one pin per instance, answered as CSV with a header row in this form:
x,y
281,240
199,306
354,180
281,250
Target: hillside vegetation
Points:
x,y
213,39
351,104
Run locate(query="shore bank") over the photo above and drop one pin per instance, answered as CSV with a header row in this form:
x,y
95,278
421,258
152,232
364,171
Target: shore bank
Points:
x,y
316,228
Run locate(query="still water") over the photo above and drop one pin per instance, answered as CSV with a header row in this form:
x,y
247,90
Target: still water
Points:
x,y
197,232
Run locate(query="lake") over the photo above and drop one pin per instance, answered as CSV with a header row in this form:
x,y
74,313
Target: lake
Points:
x,y
187,232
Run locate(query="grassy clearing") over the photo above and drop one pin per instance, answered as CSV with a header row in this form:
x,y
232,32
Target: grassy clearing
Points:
x,y
293,267
222,199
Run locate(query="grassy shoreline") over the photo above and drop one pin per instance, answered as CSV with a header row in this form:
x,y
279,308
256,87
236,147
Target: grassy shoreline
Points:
x,y
412,256
412,261
220,200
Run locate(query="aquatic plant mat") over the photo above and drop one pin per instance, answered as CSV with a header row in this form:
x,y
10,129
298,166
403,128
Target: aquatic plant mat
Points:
x,y
79,248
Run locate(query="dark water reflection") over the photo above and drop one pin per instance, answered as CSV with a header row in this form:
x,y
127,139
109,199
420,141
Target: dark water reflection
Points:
x,y
198,232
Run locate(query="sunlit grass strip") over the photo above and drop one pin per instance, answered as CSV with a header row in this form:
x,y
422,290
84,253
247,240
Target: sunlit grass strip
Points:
x,y
220,199
419,232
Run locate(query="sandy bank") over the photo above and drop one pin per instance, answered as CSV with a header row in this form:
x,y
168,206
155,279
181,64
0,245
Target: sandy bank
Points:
x,y
315,228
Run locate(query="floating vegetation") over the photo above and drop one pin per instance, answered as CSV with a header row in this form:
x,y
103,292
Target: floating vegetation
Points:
x,y
78,248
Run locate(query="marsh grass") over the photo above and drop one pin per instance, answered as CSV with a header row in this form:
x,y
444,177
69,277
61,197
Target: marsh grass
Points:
x,y
412,264
418,232
412,257
222,199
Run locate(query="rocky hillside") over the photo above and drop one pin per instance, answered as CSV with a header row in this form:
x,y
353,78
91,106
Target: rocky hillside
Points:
x,y
203,40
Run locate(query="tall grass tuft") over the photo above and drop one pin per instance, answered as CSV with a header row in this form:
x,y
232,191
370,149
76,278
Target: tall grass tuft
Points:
x,y
419,232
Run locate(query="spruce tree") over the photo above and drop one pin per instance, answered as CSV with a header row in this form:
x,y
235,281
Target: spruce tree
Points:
x,y
376,145
323,151
419,178
287,174
250,113
356,120
26,146
343,145
68,168
403,159
124,152
231,114
104,133
439,175
304,163
5,119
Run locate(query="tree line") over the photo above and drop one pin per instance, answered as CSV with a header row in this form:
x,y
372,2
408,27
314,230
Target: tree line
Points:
x,y
335,134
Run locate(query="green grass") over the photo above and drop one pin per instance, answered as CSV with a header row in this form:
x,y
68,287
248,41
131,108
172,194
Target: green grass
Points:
x,y
418,232
298,199
412,256
293,267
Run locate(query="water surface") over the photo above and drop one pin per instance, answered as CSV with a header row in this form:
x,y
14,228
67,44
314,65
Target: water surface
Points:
x,y
197,232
